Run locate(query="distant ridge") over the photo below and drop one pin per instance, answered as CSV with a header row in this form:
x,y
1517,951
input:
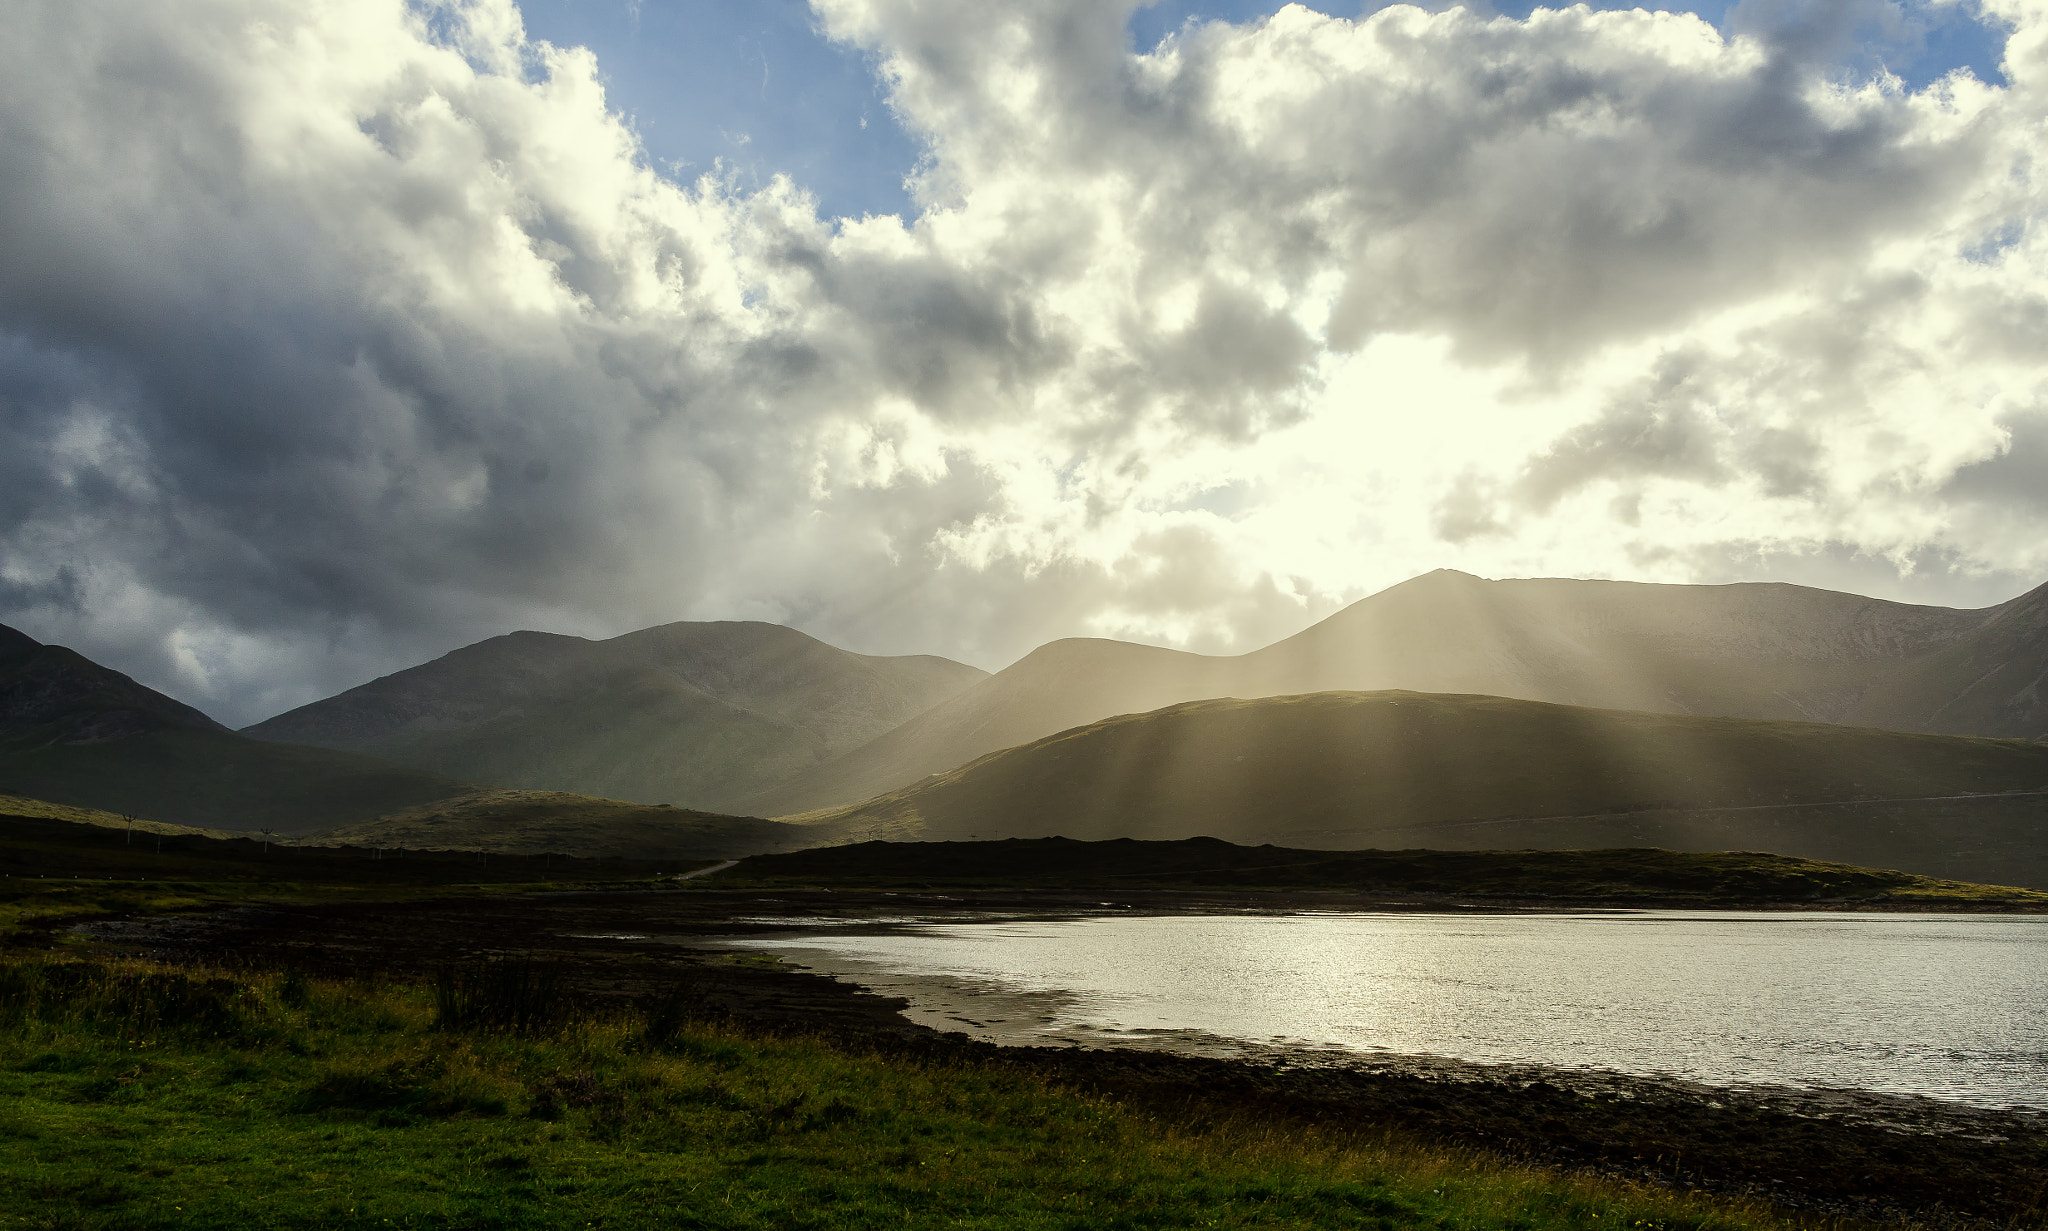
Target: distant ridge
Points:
x,y
1767,651
695,714
1339,770
74,732
1989,681
66,698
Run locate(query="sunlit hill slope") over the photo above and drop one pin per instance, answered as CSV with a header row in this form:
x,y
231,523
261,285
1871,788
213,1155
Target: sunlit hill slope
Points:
x,y
1344,770
1751,651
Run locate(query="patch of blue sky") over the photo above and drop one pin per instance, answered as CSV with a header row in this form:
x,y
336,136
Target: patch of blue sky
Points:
x,y
754,89
751,89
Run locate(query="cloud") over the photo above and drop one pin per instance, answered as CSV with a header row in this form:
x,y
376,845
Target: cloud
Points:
x,y
335,334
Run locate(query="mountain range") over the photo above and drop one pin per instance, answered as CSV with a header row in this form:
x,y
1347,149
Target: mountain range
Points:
x,y
1561,713
85,744
78,733
1768,651
697,715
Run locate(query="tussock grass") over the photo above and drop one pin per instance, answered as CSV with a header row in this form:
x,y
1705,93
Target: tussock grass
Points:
x,y
512,994
137,1096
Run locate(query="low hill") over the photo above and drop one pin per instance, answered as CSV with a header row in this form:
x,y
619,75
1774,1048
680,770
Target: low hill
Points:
x,y
37,851
1642,875
20,807
551,822
1764,651
696,714
1467,772
74,732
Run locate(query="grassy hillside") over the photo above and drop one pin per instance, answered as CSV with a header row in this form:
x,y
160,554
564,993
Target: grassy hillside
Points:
x,y
695,714
1604,875
20,806
537,822
1064,684
1413,769
1754,651
637,735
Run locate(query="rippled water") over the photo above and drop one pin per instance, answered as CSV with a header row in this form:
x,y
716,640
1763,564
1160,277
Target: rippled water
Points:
x,y
1944,1005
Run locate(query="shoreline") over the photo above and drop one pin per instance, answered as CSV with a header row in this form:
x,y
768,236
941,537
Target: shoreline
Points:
x,y
1015,1018
1897,1158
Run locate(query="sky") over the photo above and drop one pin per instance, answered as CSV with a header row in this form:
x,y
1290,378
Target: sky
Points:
x,y
336,334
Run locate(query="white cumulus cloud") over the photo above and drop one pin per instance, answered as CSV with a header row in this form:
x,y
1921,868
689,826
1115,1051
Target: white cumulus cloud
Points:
x,y
337,332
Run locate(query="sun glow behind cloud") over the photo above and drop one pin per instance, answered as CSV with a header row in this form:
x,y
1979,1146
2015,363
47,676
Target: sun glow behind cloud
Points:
x,y
338,333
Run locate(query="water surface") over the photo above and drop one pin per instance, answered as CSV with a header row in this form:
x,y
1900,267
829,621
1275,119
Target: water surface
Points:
x,y
1953,1006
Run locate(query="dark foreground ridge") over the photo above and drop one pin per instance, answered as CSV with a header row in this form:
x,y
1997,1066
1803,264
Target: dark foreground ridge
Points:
x,y
1628,875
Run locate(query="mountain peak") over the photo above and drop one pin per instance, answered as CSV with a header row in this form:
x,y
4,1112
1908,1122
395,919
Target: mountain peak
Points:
x,y
75,699
697,713
14,642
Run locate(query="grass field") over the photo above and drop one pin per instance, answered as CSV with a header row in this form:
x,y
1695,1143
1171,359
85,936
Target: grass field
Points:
x,y
134,1096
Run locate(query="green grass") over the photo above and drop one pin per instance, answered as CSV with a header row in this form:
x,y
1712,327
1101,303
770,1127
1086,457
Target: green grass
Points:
x,y
137,1096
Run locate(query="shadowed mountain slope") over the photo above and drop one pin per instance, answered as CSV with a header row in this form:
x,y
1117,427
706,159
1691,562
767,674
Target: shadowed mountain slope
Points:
x,y
1988,682
74,732
70,698
1385,769
1753,650
694,714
